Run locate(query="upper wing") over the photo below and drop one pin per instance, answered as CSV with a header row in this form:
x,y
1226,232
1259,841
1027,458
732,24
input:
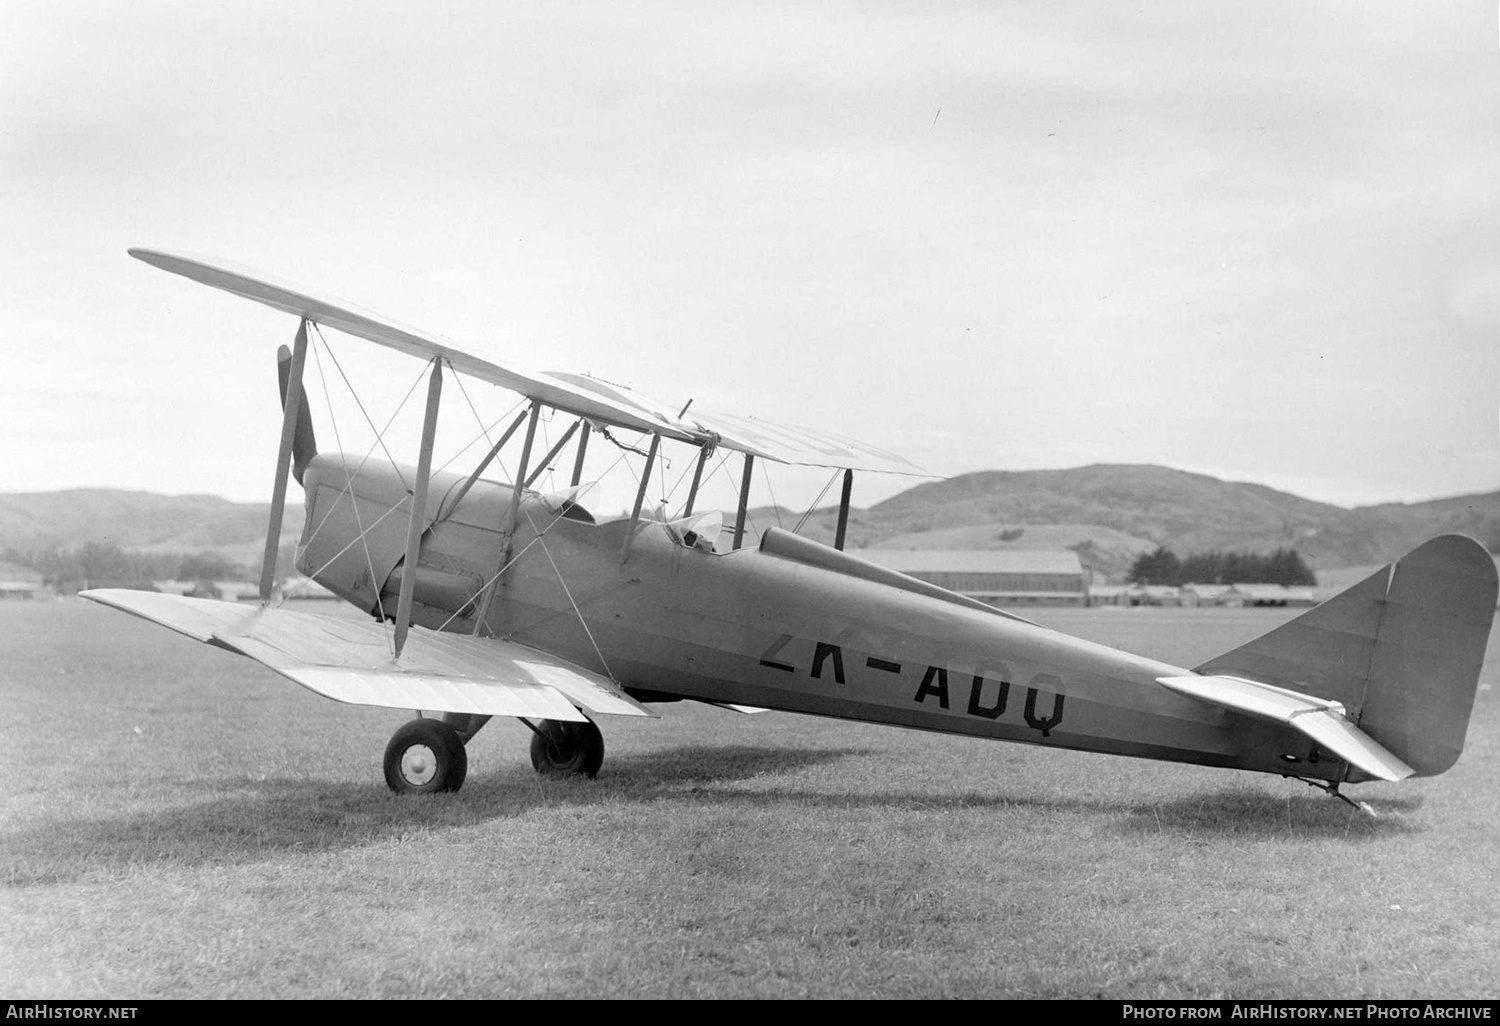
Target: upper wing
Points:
x,y
1318,718
350,319
580,394
780,442
349,660
787,444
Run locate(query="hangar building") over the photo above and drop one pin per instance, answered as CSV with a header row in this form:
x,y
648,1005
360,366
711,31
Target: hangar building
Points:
x,y
19,582
1000,577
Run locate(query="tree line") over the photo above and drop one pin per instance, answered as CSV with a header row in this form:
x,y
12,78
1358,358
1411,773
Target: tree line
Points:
x,y
98,565
1163,566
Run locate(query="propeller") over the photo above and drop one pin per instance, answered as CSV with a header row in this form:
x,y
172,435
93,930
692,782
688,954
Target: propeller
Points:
x,y
304,444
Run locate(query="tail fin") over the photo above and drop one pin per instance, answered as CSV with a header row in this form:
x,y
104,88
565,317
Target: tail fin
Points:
x,y
1402,650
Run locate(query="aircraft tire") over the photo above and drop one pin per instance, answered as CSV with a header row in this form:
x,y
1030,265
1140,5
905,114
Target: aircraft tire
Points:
x,y
567,749
425,756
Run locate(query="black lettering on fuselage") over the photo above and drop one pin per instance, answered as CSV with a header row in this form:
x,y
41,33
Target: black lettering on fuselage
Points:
x,y
775,649
934,682
1044,725
976,696
822,652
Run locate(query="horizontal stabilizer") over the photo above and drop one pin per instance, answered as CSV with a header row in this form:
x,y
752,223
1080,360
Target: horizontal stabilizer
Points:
x,y
350,660
1318,718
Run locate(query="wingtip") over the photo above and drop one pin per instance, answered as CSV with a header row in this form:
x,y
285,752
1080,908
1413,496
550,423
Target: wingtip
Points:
x,y
154,257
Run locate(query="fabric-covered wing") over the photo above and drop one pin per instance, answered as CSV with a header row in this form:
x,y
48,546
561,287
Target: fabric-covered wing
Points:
x,y
350,660
1318,718
787,444
351,320
594,398
780,442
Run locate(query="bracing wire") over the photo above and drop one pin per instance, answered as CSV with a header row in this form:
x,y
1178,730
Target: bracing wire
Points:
x,y
379,433
569,592
775,506
484,432
349,489
545,478
680,478
349,477
813,508
661,458
480,420
490,581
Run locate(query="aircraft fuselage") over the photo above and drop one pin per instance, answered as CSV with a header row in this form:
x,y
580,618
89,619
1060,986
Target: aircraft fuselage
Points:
x,y
753,628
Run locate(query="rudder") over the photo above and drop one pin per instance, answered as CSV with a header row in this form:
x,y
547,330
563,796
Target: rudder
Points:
x,y
1402,650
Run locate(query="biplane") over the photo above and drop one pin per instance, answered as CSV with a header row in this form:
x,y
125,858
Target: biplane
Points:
x,y
490,598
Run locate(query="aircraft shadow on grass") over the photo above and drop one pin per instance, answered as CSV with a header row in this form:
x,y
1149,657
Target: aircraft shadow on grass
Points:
x,y
1230,814
1264,816
251,820
255,820
713,764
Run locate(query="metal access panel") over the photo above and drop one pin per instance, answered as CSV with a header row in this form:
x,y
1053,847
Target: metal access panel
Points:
x,y
358,571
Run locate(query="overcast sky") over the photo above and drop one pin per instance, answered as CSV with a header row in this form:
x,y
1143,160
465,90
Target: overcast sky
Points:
x,y
1260,241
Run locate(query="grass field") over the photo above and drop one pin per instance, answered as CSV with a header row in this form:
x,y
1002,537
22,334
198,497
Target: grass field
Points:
x,y
180,822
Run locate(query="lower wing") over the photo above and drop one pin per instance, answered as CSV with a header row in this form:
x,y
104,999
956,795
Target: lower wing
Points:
x,y
350,660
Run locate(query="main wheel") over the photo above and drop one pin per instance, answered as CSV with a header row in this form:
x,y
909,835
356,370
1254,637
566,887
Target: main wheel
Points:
x,y
564,748
425,756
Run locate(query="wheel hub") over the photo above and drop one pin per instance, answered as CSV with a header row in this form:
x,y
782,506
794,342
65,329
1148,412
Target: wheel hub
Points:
x,y
418,765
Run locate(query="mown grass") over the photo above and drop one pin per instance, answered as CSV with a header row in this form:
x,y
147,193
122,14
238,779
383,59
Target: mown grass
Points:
x,y
181,823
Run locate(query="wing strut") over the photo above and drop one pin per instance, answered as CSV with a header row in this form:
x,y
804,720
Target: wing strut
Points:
x,y
739,516
289,416
515,496
483,607
546,461
838,537
703,452
583,448
418,505
640,497
483,465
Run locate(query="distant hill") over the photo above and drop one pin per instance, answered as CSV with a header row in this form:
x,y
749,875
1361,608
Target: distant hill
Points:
x,y
1113,512
139,521
1109,513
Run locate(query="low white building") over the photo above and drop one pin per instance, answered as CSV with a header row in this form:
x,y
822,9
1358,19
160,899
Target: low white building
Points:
x,y
1109,594
1269,595
19,582
999,577
1154,595
1204,594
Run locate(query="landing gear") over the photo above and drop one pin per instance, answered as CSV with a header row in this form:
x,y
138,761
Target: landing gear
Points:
x,y
562,748
425,756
